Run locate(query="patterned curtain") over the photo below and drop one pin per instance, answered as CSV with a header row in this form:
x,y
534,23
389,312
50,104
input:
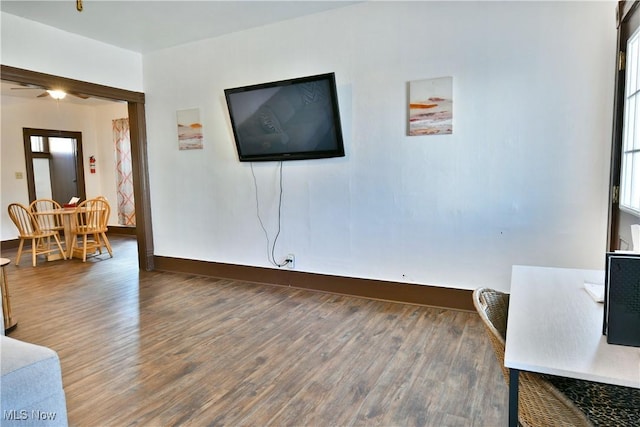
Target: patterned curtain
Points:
x,y
124,177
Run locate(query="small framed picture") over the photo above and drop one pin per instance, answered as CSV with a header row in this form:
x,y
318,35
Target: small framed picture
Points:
x,y
431,107
190,135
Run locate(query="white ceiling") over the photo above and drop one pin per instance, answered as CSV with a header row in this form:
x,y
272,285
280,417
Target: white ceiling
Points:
x,y
147,25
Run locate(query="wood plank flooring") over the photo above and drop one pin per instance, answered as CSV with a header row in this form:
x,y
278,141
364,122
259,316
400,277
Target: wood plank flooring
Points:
x,y
161,349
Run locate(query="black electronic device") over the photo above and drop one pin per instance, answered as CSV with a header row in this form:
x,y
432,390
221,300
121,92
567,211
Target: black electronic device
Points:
x,y
292,119
621,323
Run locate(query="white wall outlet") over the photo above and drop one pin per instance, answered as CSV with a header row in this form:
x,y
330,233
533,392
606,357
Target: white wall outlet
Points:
x,y
291,261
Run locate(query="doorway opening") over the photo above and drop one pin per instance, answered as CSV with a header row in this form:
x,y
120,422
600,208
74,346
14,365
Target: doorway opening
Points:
x,y
54,164
136,113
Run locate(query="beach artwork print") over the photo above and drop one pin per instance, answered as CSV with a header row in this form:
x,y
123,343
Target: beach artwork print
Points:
x,y
189,129
431,106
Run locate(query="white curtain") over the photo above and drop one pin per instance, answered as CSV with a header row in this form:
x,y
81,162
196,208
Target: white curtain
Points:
x,y
124,176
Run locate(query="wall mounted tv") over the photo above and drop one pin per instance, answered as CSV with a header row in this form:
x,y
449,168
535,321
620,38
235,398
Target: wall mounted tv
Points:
x,y
291,119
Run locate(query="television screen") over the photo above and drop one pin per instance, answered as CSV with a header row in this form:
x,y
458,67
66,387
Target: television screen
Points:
x,y
291,119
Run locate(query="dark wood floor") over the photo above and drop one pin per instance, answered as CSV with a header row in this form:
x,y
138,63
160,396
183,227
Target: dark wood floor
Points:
x,y
161,349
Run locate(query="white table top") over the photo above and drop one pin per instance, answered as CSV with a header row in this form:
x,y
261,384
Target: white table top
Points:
x,y
555,327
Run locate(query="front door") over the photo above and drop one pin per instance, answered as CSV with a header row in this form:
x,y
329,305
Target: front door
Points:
x,y
54,164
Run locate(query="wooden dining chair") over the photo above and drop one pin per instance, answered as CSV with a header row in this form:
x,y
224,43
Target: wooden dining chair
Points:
x,y
90,225
539,402
29,229
50,221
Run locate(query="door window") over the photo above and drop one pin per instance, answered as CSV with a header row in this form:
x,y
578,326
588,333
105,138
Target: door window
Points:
x,y
42,178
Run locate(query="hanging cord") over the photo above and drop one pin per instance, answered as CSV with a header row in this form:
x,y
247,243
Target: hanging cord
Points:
x,y
270,248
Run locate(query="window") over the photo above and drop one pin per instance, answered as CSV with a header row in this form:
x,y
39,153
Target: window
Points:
x,y
630,176
38,144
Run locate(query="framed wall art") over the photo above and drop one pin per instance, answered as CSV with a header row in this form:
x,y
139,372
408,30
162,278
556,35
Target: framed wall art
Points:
x,y
431,107
190,135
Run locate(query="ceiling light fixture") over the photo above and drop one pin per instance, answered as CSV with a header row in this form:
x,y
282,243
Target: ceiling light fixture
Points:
x,y
79,5
57,94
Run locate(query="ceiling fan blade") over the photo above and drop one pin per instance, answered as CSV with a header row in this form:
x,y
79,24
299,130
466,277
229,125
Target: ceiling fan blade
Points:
x,y
79,95
44,94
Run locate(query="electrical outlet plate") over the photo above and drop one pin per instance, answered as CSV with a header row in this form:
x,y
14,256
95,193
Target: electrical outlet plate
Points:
x,y
291,258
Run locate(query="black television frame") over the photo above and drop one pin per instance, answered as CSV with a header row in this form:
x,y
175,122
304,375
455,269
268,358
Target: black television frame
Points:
x,y
267,144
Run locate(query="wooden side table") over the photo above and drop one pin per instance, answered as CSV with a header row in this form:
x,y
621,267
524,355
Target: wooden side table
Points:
x,y
9,321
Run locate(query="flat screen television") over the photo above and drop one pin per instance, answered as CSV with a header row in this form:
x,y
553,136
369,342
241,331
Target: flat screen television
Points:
x,y
291,119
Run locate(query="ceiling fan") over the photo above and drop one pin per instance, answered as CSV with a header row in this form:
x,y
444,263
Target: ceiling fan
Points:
x,y
55,94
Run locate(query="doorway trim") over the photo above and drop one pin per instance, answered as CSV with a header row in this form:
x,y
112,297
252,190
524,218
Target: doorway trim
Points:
x,y
138,134
628,18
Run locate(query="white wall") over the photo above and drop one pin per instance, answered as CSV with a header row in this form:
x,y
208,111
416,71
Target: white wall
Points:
x,y
34,46
97,140
523,178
